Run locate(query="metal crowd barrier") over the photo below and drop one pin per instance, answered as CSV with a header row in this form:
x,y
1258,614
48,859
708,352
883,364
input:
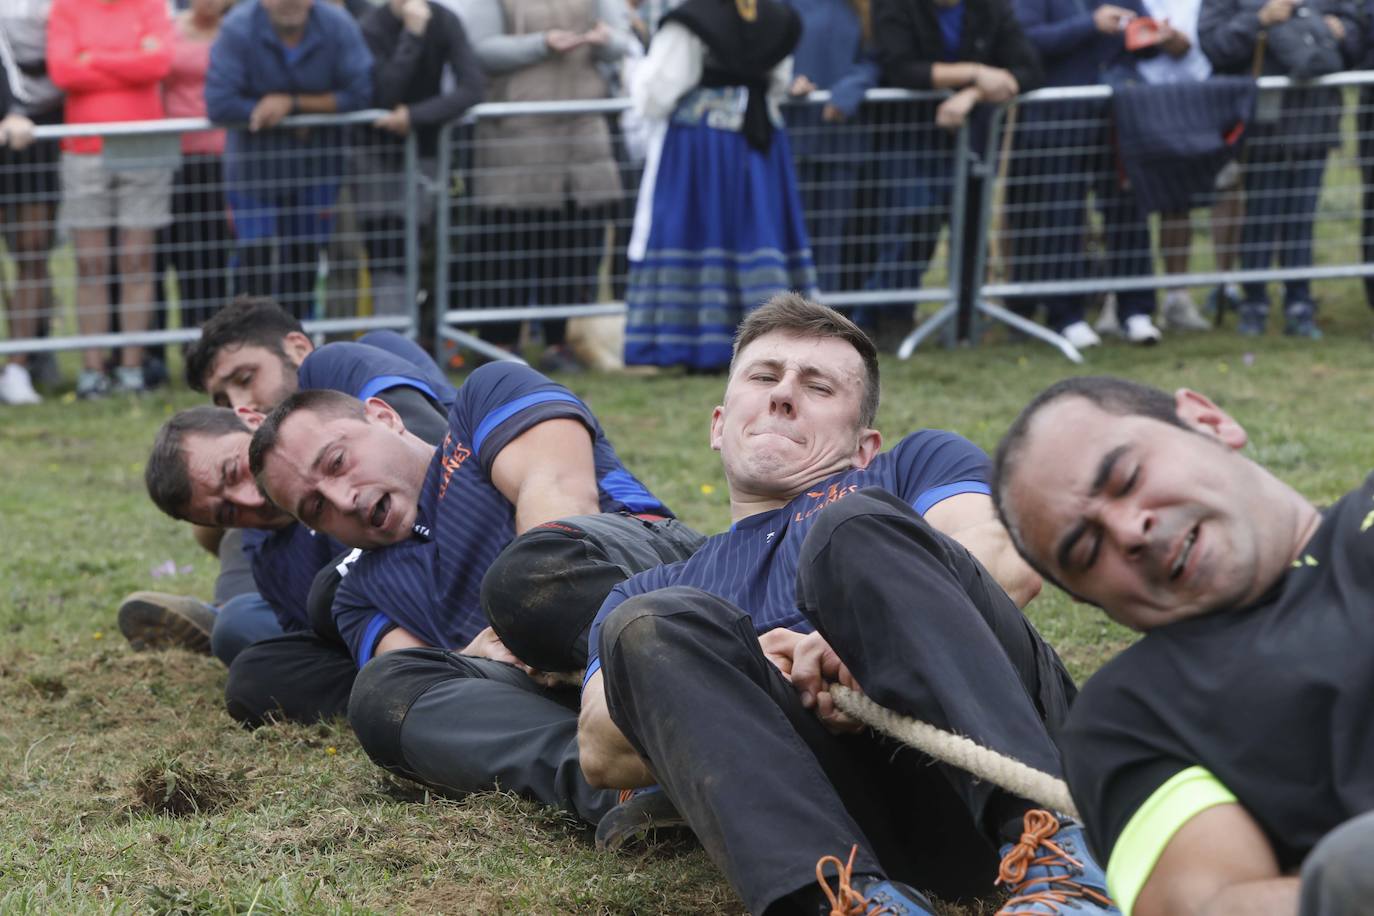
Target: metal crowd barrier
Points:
x,y
1065,228
332,217
321,212
536,224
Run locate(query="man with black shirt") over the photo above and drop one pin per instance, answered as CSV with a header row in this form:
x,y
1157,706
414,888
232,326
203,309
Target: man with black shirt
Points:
x,y
1232,745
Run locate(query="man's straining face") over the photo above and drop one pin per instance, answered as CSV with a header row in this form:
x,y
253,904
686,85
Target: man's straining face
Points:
x,y
1150,521
791,415
223,493
249,375
358,480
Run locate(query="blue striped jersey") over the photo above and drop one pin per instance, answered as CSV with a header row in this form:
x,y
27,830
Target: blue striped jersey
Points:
x,y
380,360
284,564
286,561
430,584
754,564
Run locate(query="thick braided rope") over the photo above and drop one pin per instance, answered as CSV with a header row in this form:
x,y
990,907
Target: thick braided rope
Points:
x,y
1002,771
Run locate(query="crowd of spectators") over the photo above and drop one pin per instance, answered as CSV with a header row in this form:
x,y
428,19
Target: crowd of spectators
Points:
x,y
252,209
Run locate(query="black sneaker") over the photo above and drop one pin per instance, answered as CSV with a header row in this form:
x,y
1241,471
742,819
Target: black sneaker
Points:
x,y
1300,320
640,813
156,620
1253,317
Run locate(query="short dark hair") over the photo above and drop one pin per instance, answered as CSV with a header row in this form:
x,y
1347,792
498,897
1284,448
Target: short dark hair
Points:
x,y
324,401
255,320
1109,393
793,313
167,477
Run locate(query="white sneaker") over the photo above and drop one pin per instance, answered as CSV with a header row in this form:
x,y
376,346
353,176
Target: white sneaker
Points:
x,y
1081,336
1141,330
16,387
1181,314
1107,322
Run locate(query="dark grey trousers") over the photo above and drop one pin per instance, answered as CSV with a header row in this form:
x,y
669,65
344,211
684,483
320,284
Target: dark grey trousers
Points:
x,y
296,677
460,724
764,786
1338,876
545,588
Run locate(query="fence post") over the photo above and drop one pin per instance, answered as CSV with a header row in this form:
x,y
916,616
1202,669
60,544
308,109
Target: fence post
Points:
x,y
413,179
444,182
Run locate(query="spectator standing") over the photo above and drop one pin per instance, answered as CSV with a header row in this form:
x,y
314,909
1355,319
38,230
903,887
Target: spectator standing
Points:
x,y
272,59
1179,59
1364,130
718,228
29,191
110,56
28,181
1288,140
412,41
977,49
198,242
545,187
835,54
1063,152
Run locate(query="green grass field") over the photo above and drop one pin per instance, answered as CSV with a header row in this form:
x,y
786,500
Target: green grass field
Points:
x,y
126,787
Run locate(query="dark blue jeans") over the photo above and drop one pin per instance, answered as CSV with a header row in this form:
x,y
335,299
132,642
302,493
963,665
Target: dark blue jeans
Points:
x,y
1281,192
242,621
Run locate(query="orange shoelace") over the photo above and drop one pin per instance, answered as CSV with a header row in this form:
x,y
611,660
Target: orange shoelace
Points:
x,y
625,795
1040,826
844,900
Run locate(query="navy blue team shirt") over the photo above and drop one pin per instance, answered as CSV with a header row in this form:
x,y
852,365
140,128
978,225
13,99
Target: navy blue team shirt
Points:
x,y
430,583
285,561
754,564
378,361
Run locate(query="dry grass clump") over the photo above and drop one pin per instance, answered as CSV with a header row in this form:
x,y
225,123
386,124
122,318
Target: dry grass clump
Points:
x,y
179,787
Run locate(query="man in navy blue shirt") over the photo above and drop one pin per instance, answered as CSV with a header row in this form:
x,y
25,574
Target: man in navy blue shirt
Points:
x,y
446,621
253,354
710,677
198,472
272,59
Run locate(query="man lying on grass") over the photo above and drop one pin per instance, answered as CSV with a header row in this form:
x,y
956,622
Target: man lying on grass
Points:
x,y
523,519
887,571
1233,743
250,354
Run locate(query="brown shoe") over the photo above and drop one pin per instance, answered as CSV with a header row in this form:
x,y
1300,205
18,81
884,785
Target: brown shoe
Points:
x,y
156,620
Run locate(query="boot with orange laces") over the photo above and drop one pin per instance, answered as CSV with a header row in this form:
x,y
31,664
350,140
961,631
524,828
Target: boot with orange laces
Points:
x,y
867,895
1050,871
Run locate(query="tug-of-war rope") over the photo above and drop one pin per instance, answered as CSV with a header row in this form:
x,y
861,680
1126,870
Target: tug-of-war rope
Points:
x,y
957,751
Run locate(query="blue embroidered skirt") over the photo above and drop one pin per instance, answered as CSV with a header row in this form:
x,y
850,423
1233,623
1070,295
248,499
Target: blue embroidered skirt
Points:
x,y
718,230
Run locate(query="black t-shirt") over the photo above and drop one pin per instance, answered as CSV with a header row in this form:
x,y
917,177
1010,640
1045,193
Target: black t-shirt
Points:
x,y
1276,701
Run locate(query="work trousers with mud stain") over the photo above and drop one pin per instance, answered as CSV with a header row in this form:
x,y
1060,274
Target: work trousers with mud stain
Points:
x,y
925,630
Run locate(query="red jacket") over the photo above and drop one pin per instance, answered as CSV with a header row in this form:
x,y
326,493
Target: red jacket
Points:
x,y
109,56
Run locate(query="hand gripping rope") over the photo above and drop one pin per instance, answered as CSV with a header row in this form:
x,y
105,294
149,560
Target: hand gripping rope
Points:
x,y
957,751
